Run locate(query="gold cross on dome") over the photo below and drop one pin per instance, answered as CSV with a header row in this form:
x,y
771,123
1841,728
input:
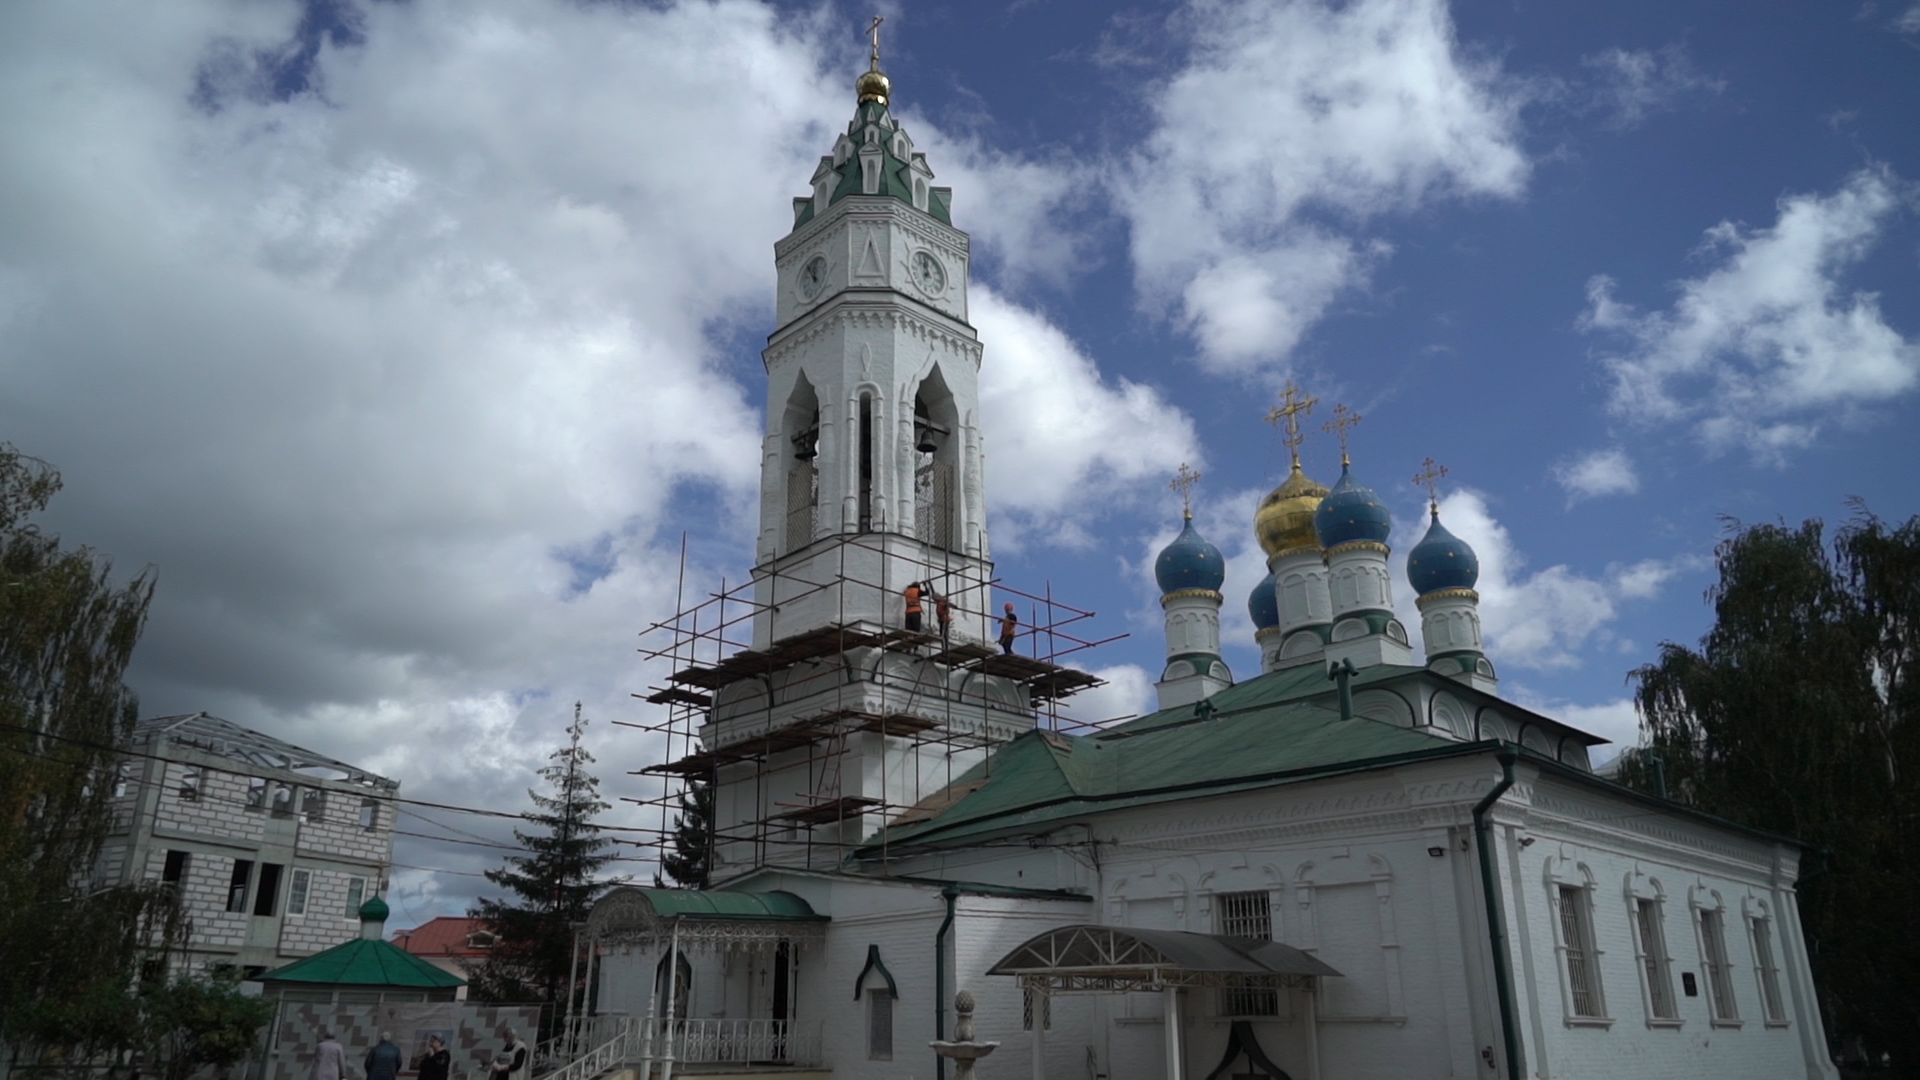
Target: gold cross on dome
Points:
x,y
1294,403
1183,482
1342,422
875,31
1429,477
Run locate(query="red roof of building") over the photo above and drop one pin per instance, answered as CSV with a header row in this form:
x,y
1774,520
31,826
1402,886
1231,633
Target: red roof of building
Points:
x,y
447,935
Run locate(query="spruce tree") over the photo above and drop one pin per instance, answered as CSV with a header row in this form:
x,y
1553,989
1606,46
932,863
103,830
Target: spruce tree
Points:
x,y
72,953
550,888
691,860
1800,714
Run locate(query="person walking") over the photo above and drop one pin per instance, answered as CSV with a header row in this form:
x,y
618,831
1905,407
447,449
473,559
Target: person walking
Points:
x,y
384,1060
511,1063
438,1062
329,1059
912,595
1009,628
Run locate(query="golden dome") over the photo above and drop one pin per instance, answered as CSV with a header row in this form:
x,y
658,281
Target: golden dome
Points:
x,y
873,85
1285,517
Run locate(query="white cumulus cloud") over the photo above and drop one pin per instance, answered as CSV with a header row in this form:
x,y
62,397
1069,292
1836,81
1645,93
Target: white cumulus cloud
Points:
x,y
1290,125
1601,472
1761,349
1633,83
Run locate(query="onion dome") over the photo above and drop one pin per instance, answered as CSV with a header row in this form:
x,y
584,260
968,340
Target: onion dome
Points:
x,y
1189,563
1285,518
1441,560
1264,605
1351,512
873,85
374,910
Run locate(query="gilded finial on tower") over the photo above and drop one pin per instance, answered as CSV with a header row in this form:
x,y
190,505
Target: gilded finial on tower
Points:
x,y
873,85
1429,477
1342,422
1183,482
1294,403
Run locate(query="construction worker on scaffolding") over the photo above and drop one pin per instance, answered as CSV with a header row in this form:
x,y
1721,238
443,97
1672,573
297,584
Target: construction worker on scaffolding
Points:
x,y
943,614
1009,626
912,594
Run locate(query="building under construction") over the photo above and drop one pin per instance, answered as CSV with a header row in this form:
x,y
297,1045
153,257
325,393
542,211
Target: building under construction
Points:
x,y
818,714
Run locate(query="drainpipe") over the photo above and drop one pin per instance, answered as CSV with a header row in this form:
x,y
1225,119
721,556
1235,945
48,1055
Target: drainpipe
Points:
x,y
1496,927
950,894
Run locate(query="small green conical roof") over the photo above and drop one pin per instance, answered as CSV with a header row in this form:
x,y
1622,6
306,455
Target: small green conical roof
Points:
x,y
366,961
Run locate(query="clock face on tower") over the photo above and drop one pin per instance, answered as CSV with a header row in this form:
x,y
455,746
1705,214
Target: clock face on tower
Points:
x,y
813,277
928,274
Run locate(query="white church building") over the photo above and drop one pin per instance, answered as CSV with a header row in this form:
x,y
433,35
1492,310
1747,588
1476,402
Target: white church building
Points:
x,y
1358,862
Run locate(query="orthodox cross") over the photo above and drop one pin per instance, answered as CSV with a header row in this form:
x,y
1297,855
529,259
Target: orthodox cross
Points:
x,y
1183,482
1342,422
1429,477
1294,403
875,31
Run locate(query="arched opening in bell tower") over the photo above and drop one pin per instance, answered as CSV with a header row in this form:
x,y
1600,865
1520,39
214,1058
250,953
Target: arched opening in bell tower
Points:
x,y
801,427
936,423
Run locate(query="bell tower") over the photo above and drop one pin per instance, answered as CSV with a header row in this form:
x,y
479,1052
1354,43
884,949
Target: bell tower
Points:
x,y
872,393
849,708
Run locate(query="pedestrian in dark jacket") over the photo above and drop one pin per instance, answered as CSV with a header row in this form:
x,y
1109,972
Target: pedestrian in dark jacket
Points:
x,y
384,1060
437,1062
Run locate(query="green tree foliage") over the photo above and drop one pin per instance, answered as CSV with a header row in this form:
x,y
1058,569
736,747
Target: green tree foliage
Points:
x,y
551,887
67,631
690,861
1800,714
191,1023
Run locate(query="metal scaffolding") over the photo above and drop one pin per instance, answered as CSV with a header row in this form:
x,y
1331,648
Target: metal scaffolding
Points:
x,y
701,644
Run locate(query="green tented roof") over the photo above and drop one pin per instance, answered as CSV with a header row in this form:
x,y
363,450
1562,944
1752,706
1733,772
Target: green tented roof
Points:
x,y
1264,731
727,904
365,962
895,174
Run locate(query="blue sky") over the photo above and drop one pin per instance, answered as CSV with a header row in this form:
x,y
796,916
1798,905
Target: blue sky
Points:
x,y
405,339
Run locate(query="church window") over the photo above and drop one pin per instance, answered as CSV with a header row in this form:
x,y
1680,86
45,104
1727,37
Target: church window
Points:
x,y
1026,1010
1653,959
1576,930
866,463
1767,972
1713,952
1247,915
879,1024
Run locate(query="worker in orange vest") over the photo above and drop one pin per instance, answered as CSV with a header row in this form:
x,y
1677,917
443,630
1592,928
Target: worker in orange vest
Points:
x,y
912,595
1009,626
943,614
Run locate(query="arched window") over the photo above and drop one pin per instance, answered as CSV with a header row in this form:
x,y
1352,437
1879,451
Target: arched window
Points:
x,y
935,483
801,426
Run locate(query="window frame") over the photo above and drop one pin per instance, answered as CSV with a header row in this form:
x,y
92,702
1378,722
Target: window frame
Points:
x,y
1766,969
191,779
299,884
359,883
1656,963
1246,913
879,1023
239,886
1710,923
169,875
1570,891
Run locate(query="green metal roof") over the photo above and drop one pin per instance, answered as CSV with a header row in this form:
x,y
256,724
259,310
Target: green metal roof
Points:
x,y
1260,732
895,179
365,962
727,904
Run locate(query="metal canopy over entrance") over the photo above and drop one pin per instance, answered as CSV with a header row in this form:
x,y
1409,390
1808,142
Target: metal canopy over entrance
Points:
x,y
1085,958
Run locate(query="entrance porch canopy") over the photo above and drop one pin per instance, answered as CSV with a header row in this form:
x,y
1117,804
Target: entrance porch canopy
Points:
x,y
1113,959
703,918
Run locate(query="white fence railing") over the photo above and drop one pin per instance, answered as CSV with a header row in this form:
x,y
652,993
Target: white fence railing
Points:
x,y
650,1043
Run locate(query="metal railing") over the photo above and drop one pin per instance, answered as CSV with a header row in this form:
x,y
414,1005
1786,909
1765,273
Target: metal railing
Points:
x,y
655,1042
609,1054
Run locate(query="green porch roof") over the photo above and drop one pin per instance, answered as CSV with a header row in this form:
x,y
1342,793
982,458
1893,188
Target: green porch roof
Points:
x,y
365,962
727,904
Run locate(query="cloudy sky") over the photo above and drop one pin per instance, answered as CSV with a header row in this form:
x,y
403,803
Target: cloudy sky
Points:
x,y
407,339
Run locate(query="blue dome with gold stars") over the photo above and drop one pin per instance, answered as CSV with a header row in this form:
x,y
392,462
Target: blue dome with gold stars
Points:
x,y
1441,560
1264,605
1189,563
1351,511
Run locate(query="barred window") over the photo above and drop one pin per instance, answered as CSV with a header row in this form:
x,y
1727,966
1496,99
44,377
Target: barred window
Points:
x,y
1653,959
1247,915
1768,973
1026,1011
1713,942
1576,928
